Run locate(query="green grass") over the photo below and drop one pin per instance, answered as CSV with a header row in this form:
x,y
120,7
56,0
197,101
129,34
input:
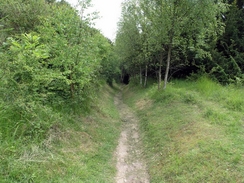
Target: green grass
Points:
x,y
193,131
76,148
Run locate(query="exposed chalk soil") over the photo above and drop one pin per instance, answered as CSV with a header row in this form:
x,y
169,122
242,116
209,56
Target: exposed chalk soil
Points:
x,y
131,167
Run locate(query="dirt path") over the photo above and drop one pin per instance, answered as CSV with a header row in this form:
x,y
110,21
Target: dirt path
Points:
x,y
130,165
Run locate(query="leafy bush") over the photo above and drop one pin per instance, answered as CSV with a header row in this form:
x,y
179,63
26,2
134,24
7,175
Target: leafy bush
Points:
x,y
52,60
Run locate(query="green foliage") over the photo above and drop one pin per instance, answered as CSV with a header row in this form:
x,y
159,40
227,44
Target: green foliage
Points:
x,y
228,54
26,71
110,68
76,63
60,61
167,34
18,16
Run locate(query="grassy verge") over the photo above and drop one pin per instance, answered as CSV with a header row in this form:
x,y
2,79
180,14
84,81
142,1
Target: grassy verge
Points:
x,y
78,148
193,131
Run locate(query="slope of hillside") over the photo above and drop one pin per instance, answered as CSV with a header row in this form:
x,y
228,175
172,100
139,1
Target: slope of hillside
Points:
x,y
78,147
192,131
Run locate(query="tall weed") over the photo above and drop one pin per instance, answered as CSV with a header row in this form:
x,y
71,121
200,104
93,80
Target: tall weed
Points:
x,y
234,98
207,87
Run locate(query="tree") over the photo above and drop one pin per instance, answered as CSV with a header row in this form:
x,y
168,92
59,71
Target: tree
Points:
x,y
60,58
131,40
53,62
228,52
19,16
172,21
164,29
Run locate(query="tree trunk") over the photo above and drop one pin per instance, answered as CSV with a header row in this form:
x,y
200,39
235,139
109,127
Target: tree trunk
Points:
x,y
167,67
145,82
160,71
140,76
122,77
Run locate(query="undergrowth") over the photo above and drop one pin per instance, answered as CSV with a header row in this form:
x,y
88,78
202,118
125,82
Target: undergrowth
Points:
x,y
193,130
60,145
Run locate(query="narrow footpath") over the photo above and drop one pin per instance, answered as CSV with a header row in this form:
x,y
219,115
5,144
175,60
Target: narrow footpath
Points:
x,y
131,167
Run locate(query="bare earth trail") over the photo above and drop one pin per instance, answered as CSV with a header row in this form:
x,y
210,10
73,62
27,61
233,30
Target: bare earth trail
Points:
x,y
131,167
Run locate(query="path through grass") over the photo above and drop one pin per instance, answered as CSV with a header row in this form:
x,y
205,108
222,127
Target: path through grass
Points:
x,y
130,165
